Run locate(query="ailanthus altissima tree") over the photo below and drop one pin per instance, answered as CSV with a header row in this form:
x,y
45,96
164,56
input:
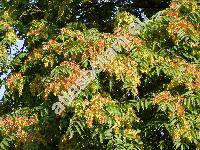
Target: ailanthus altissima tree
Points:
x,y
147,97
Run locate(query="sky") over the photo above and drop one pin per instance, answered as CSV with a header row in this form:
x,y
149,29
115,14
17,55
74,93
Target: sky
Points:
x,y
18,46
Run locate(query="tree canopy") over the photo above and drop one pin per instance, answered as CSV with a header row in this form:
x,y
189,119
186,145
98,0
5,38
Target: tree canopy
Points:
x,y
147,97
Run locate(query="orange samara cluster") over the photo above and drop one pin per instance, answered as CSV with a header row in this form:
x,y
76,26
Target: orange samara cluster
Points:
x,y
189,76
183,24
63,83
166,97
125,69
94,110
15,82
12,124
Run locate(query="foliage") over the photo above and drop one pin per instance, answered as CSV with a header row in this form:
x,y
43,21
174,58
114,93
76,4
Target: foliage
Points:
x,y
147,97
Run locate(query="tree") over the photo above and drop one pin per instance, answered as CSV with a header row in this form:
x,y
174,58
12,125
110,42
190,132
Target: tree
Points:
x,y
146,97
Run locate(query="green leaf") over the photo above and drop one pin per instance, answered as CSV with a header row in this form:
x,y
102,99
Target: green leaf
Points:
x,y
5,142
178,144
78,129
101,137
80,125
108,134
71,134
142,104
182,147
172,123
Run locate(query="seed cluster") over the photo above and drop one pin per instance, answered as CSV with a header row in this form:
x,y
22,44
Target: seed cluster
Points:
x,y
137,41
193,70
93,50
36,29
10,125
100,110
189,75
5,24
36,85
180,110
172,13
36,54
182,130
16,82
3,52
173,4
52,46
94,110
125,69
63,83
130,133
184,25
165,97
75,34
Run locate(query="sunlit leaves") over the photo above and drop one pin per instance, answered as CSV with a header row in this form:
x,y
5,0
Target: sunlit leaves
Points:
x,y
156,79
